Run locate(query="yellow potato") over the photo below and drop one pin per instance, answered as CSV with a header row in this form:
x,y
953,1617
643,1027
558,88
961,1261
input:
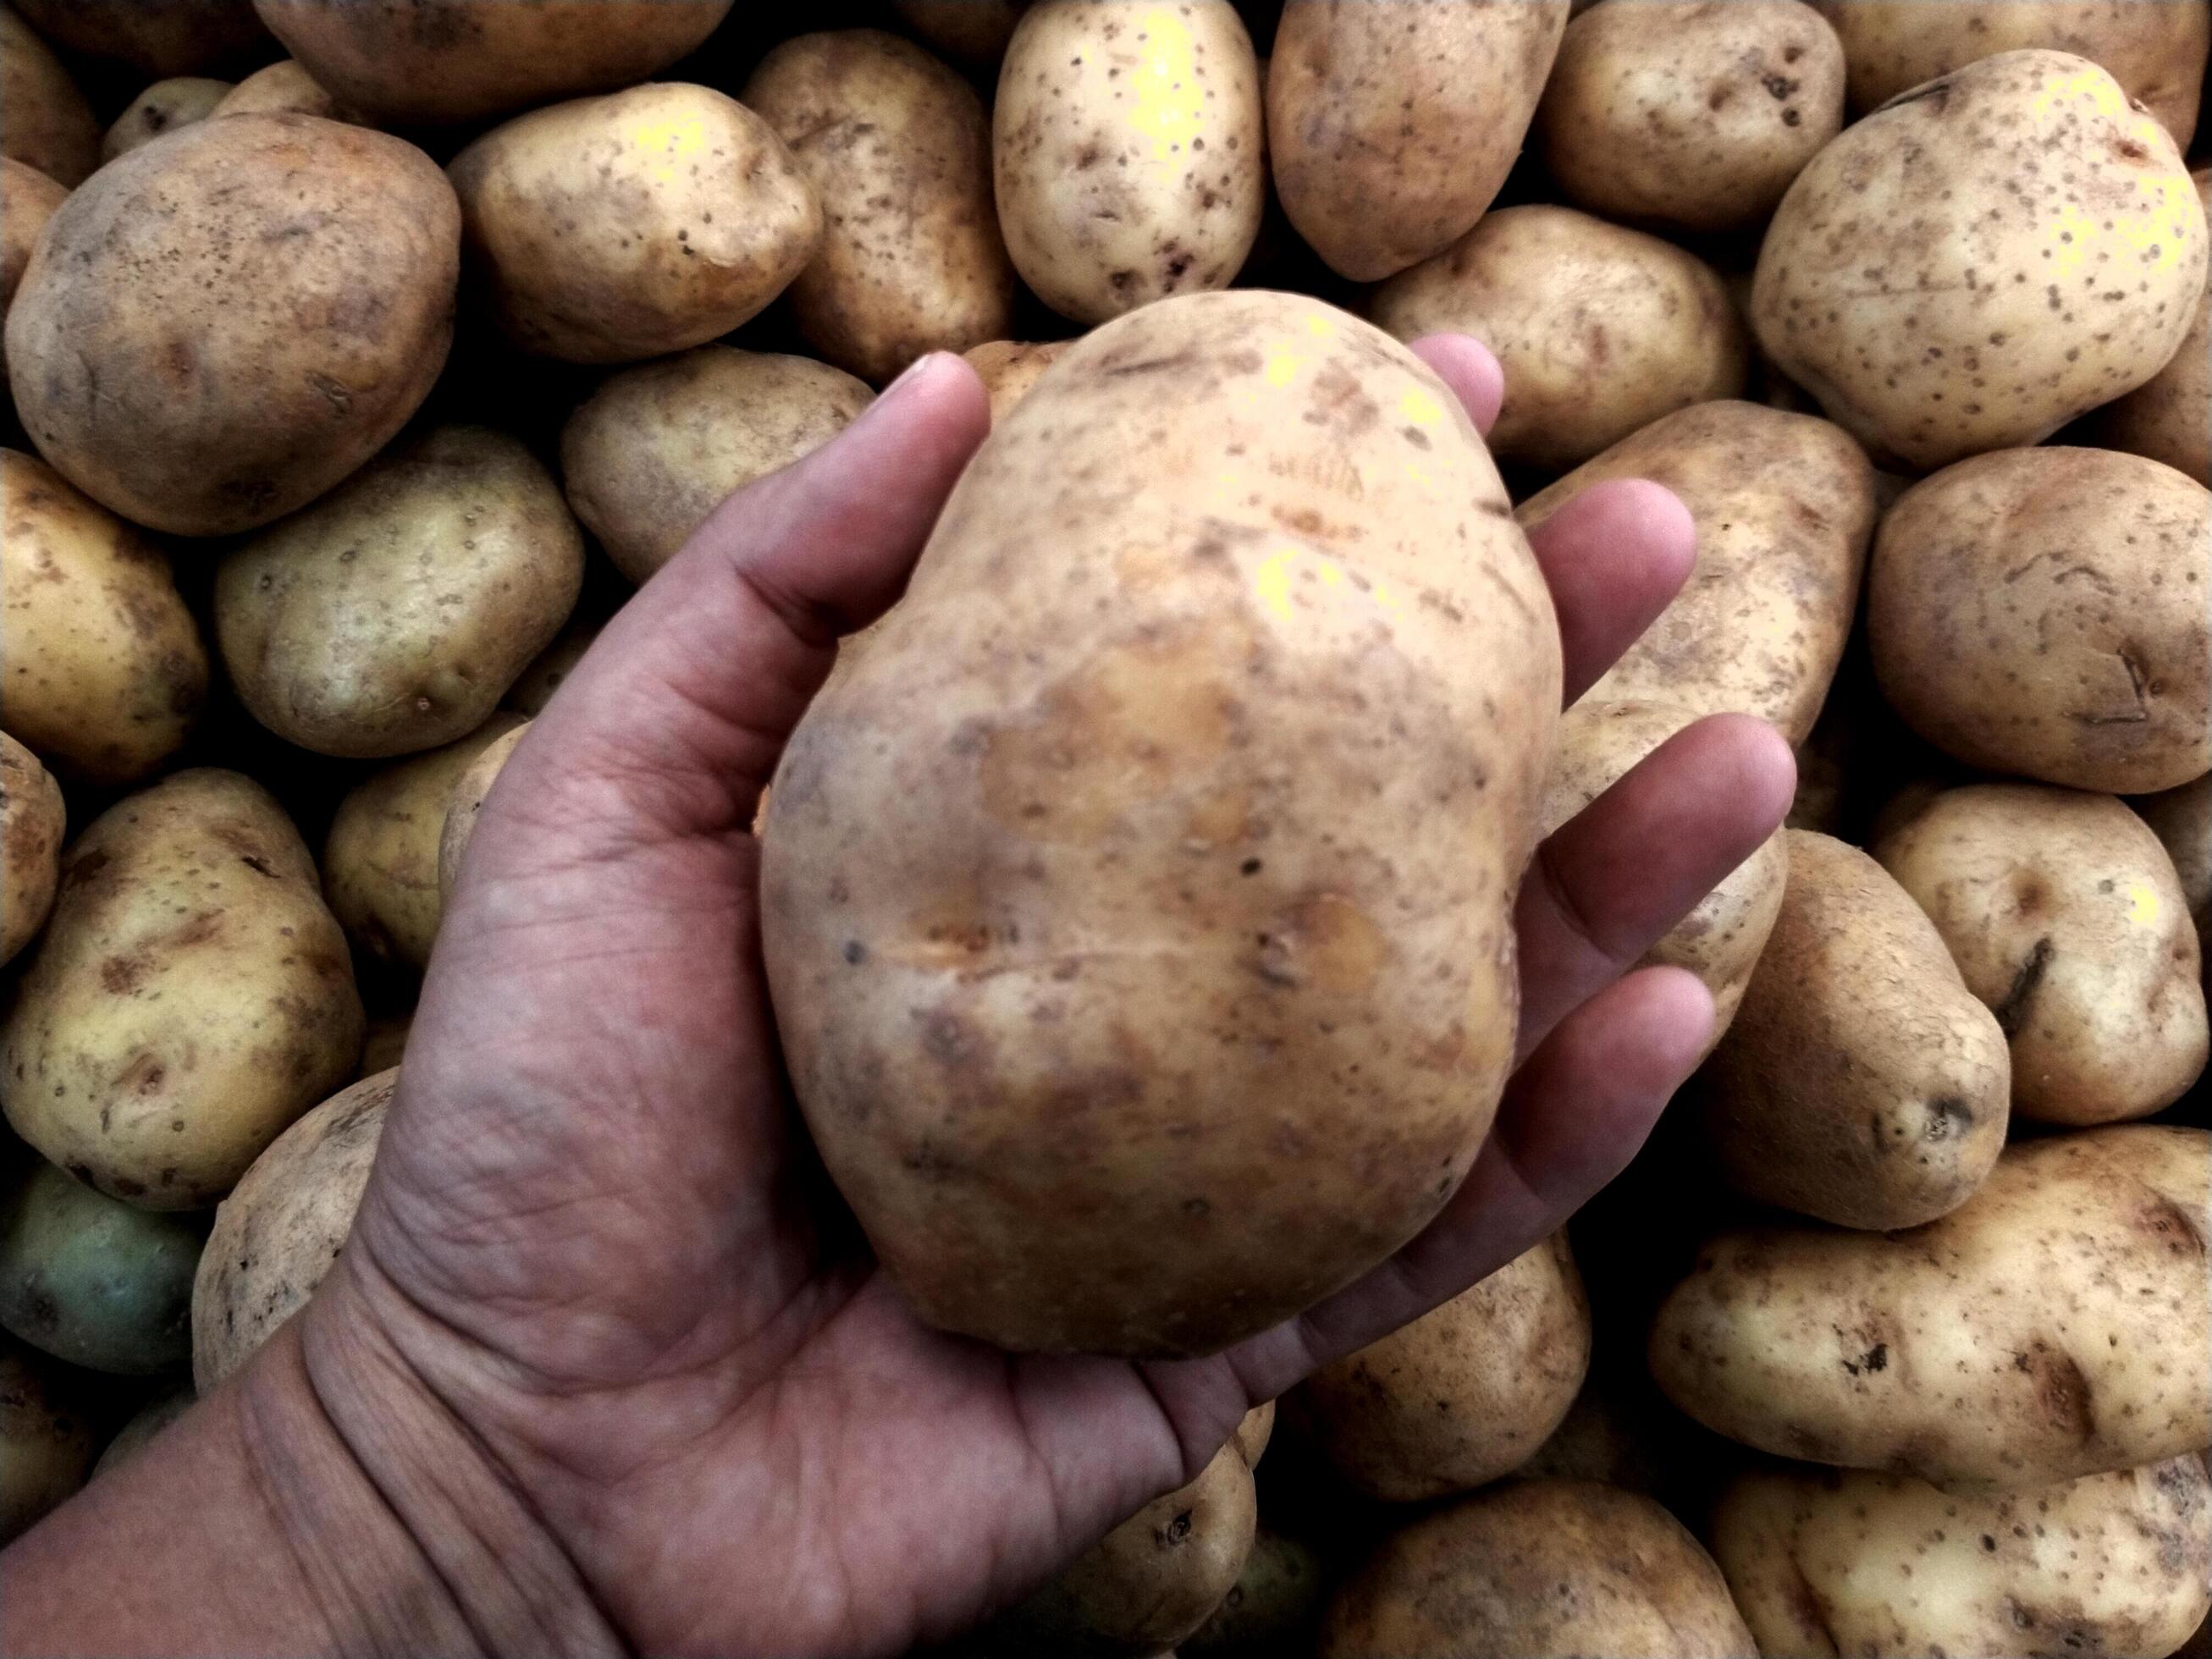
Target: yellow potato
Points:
x,y
104,671
658,448
1784,506
46,1438
135,1436
1092,896
972,31
470,791
1887,1566
1975,264
1129,151
2053,1326
162,107
284,89
1254,1433
392,615
2065,916
1537,1567
33,819
1693,114
45,121
1009,368
157,38
189,997
2181,819
220,326
2169,417
607,229
1272,1610
898,150
2046,612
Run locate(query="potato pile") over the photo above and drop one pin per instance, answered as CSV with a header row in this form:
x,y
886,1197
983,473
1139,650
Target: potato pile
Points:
x,y
1136,898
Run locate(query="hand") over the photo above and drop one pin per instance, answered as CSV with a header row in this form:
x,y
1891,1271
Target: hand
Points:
x,y
597,1250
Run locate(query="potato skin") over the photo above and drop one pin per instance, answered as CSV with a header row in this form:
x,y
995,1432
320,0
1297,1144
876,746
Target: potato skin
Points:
x,y
1128,150
1691,114
656,448
188,355
2181,819
30,198
1785,507
1837,1561
968,30
391,615
277,1235
470,792
47,1439
2065,917
160,39
897,148
2045,612
2053,1326
1935,324
1391,123
1270,1611
162,107
547,670
1253,1431
2169,417
606,229
1008,368
1861,1082
1537,1567
33,819
189,997
45,122
284,87
135,1436
104,672
1119,787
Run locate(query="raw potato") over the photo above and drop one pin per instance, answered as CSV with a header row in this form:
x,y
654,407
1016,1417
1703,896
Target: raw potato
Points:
x,y
380,863
1600,331
284,89
222,326
1721,941
971,31
2181,819
32,819
277,1235
2045,612
159,39
391,615
162,107
612,228
1391,123
90,1281
1254,1433
1537,1567
898,150
45,121
1466,1392
46,1440
27,200
467,800
104,671
386,1043
1784,506
1693,114
1008,368
2065,916
1828,1561
430,63
1975,264
138,1433
1092,896
1270,1611
1129,151
658,448
2169,417
189,997
2156,52
529,694
2054,1325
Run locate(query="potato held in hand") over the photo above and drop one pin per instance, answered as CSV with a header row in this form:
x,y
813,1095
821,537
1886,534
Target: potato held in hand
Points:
x,y
1115,1033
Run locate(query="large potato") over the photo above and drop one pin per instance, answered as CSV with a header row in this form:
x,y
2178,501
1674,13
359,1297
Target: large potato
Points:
x,y
606,229
1537,1567
1008,368
1179,1048
646,456
162,107
104,671
1784,506
1272,1608
1977,263
972,31
1466,1392
1693,114
46,1438
32,817
189,997
277,1235
157,37
898,150
2181,819
1391,123
380,863
2156,51
470,792
1600,331
2169,417
45,121
1884,1565
1129,151
227,321
2065,916
392,615
2054,1325
2046,612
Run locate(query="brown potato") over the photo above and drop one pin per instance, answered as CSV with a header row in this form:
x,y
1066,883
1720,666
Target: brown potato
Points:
x,y
386,1043
2045,612
530,694
1784,506
1537,1567
646,456
972,31
898,150
1271,1611
2065,916
1693,114
1254,1433
1008,368
157,37
222,326
2181,819
162,107
470,791
284,89
46,1437
32,819
135,1436
2169,417
45,122
27,200
1391,123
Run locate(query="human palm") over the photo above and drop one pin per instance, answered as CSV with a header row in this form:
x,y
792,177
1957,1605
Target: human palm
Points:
x,y
597,1237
